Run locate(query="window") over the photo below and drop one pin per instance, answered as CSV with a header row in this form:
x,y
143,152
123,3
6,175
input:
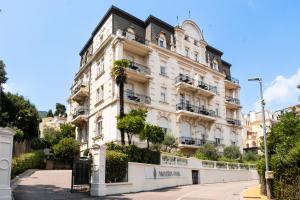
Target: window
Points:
x,y
100,38
163,95
186,38
100,94
163,123
215,65
196,56
130,34
163,70
162,42
217,110
100,67
218,141
187,52
218,136
99,127
195,42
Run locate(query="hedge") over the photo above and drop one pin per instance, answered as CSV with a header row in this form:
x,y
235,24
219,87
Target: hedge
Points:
x,y
136,154
116,166
32,160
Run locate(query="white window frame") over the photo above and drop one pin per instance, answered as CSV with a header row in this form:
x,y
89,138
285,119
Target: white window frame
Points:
x,y
99,127
163,72
163,94
162,42
187,52
196,56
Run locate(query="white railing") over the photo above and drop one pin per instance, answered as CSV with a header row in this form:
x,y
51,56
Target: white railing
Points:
x,y
170,160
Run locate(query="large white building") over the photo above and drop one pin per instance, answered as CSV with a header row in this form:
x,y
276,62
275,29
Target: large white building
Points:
x,y
183,82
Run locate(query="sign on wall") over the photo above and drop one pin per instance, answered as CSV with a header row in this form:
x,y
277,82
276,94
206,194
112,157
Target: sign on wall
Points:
x,y
163,172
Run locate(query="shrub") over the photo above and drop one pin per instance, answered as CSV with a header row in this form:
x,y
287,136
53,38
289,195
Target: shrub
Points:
x,y
250,157
207,152
38,143
224,159
32,160
232,152
66,149
136,154
116,166
169,142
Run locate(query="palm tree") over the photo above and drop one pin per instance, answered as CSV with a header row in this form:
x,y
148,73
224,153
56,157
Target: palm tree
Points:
x,y
119,74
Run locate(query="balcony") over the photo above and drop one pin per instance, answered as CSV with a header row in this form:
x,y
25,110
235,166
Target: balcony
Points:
x,y
135,43
231,82
133,97
232,103
80,116
80,92
233,122
184,82
138,72
193,142
195,111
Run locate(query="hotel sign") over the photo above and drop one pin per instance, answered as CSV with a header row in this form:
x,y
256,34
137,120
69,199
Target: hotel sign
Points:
x,y
162,172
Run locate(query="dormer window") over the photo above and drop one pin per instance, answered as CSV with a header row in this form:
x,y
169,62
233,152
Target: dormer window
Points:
x,y
215,65
162,41
130,34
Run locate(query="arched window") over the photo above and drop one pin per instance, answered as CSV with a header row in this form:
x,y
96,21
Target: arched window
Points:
x,y
253,144
185,129
130,34
162,42
163,123
200,132
234,138
247,145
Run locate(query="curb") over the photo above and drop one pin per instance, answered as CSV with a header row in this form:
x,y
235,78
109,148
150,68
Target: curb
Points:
x,y
14,182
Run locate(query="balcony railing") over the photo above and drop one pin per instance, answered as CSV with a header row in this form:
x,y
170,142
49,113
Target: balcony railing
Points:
x,y
194,141
139,68
135,97
232,121
200,84
232,100
79,85
232,79
134,37
195,109
80,110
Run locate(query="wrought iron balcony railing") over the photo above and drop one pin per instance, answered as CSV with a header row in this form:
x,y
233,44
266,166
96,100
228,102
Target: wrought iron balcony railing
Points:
x,y
232,79
78,85
80,110
134,37
232,100
195,109
194,141
135,97
139,68
232,121
200,84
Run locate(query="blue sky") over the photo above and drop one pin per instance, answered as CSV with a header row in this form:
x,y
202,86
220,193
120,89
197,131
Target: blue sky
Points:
x,y
40,42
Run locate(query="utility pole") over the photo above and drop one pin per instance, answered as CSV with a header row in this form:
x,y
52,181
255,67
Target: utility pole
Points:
x,y
268,187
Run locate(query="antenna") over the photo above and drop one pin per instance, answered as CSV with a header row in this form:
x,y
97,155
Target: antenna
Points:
x,y
189,14
177,20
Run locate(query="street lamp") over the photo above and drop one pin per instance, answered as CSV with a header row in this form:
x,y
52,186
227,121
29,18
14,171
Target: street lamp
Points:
x,y
264,131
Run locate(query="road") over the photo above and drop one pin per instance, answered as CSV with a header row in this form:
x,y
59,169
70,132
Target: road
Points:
x,y
55,184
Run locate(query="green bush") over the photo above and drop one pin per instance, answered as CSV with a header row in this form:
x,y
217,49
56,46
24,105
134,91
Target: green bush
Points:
x,y
66,149
32,160
136,154
116,166
232,152
224,159
38,143
207,152
250,157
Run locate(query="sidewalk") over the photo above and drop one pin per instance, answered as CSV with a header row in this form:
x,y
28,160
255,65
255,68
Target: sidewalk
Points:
x,y
252,194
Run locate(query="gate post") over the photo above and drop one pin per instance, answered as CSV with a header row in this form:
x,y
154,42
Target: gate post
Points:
x,y
6,144
98,173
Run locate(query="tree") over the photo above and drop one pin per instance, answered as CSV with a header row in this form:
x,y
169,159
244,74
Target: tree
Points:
x,y
283,143
16,111
169,142
250,157
153,134
232,152
50,113
119,74
67,130
207,152
51,136
66,149
60,110
3,77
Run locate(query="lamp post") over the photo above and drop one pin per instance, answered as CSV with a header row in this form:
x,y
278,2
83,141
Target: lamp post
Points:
x,y
264,131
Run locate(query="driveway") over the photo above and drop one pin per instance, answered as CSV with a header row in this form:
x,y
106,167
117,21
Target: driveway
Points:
x,y
55,185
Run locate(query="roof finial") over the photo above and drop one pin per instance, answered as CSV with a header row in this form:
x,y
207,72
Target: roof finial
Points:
x,y
177,20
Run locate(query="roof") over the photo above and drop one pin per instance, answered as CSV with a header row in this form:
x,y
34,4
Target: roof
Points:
x,y
115,10
225,63
214,50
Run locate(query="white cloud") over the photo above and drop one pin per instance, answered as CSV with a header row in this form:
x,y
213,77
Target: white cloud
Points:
x,y
282,92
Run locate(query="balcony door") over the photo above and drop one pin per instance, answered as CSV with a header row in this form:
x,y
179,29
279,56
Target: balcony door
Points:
x,y
200,132
185,129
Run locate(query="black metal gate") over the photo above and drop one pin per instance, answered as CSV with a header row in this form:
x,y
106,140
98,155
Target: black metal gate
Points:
x,y
81,175
195,176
